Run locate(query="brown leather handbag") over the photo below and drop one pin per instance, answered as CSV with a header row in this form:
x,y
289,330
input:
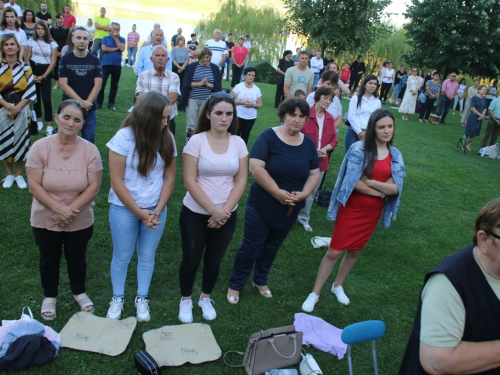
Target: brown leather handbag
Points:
x,y
271,349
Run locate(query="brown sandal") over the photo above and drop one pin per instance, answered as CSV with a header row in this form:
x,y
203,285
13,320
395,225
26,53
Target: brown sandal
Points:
x,y
84,302
48,306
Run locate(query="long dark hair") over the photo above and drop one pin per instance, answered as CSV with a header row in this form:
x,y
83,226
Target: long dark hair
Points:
x,y
3,22
204,124
370,153
150,138
368,78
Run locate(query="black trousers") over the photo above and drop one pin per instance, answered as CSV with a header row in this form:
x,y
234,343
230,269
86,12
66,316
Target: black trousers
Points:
x,y
115,72
384,91
50,244
280,94
426,109
181,75
200,241
43,91
237,72
244,128
354,82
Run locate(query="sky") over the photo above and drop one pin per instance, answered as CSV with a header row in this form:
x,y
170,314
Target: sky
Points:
x,y
398,6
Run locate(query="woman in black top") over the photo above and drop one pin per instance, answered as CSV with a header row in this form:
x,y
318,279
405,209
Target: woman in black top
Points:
x,y
59,33
285,63
28,23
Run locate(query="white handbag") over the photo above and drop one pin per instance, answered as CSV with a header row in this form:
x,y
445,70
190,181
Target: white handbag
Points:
x,y
309,366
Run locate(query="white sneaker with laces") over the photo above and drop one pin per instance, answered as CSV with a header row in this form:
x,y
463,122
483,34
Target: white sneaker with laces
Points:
x,y
207,308
21,184
310,302
8,181
186,311
141,304
339,292
307,228
49,130
115,308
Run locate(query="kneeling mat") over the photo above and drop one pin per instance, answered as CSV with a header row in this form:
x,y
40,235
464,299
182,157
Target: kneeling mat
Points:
x,y
176,345
90,333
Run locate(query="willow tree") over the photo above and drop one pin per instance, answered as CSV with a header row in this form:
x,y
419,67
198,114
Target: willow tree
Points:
x,y
264,25
53,6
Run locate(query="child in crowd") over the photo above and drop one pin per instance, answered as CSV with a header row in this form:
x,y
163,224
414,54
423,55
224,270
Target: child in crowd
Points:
x,y
346,74
299,94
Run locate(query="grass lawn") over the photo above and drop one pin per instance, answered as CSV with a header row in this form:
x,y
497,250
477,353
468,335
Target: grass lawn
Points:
x,y
443,192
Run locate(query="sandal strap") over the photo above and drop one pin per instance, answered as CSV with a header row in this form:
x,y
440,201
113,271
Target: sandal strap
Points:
x,y
48,305
83,301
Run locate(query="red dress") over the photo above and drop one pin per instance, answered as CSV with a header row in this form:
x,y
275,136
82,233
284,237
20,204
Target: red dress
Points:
x,y
357,220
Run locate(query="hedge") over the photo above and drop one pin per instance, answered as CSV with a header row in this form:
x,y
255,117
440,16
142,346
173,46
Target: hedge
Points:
x,y
266,73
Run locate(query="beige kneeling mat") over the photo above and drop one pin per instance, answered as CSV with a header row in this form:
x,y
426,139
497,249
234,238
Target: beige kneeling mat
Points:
x,y
89,333
176,345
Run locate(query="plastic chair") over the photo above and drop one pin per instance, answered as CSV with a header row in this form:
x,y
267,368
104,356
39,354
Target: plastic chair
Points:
x,y
363,331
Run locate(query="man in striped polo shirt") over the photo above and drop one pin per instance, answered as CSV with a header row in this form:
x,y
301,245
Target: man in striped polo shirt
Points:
x,y
218,48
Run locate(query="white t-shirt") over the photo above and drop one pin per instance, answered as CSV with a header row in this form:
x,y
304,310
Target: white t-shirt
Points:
x,y
144,190
494,91
218,49
16,7
244,93
41,51
90,30
215,172
20,35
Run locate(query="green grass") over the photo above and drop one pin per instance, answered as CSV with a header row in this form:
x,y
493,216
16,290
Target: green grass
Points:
x,y
442,195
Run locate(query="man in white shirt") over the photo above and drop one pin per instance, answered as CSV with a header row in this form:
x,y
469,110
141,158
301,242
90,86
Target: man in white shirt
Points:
x,y
161,80
17,8
218,48
316,67
12,26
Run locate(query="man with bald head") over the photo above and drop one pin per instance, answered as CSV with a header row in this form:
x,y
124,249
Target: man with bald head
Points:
x,y
144,60
160,79
218,48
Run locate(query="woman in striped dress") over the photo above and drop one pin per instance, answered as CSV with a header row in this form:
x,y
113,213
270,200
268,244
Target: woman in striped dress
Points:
x,y
17,90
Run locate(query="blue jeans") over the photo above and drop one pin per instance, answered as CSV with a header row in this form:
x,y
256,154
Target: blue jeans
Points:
x,y
395,92
88,130
227,64
316,79
350,138
444,108
131,54
126,230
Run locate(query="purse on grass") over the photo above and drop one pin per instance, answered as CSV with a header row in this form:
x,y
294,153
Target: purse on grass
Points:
x,y
323,196
271,349
145,364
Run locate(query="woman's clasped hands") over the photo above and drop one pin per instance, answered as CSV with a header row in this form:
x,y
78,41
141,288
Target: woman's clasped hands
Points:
x,y
64,215
219,218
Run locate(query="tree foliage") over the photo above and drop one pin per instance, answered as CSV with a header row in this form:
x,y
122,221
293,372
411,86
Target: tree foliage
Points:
x,y
337,25
455,35
53,6
264,25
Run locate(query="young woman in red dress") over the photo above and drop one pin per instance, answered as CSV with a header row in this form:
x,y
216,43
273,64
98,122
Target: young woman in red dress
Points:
x,y
368,175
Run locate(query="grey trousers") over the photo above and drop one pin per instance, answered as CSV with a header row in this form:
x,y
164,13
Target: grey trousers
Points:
x,y
192,112
491,134
305,213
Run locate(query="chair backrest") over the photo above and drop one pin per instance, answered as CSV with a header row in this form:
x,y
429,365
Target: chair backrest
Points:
x,y
363,331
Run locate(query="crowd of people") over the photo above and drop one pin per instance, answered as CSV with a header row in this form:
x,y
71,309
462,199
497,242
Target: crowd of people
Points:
x,y
287,162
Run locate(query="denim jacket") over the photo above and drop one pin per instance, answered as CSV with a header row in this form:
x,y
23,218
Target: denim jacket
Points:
x,y
351,171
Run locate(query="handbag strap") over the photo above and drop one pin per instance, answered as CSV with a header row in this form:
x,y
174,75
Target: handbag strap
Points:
x,y
294,338
232,351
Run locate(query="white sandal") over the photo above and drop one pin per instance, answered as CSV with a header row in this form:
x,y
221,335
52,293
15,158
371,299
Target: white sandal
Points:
x,y
48,306
318,242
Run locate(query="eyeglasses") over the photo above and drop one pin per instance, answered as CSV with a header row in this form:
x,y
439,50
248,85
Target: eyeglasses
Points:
x,y
493,234
8,35
221,94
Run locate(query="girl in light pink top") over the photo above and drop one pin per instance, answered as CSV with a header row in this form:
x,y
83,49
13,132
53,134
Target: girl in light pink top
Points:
x,y
215,176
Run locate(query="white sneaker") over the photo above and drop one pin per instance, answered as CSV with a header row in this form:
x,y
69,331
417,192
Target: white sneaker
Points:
x,y
307,228
207,308
141,304
339,292
311,300
21,184
8,181
186,311
49,130
115,308
39,125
